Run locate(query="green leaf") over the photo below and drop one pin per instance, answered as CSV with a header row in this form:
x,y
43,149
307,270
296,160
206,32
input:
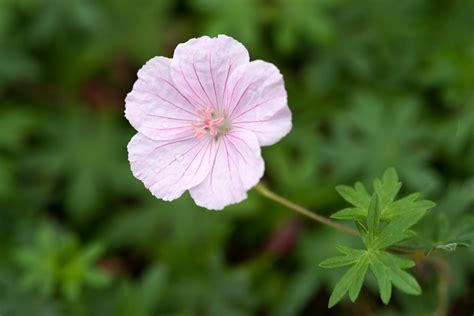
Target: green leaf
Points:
x,y
397,230
383,280
336,262
56,260
350,213
407,205
357,196
360,273
401,279
388,187
351,281
143,296
351,256
373,217
399,261
387,269
91,253
363,233
345,250
386,134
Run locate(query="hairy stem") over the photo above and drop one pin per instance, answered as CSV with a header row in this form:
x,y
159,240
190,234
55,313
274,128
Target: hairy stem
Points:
x,y
297,208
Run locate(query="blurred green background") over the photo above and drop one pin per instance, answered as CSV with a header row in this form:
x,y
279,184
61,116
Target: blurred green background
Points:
x,y
371,84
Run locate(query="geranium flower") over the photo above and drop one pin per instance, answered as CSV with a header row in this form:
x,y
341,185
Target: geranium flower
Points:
x,y
201,118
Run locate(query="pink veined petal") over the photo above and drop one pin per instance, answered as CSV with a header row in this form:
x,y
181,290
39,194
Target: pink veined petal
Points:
x,y
156,107
257,101
168,168
237,166
202,66
201,118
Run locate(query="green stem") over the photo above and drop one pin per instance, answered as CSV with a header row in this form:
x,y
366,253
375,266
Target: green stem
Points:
x,y
297,208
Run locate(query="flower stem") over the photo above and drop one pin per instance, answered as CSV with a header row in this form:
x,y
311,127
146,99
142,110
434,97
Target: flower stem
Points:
x,y
297,208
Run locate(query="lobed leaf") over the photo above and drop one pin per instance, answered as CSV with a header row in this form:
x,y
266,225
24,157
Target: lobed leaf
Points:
x,y
368,214
350,281
387,269
388,187
357,196
360,273
373,217
397,230
399,261
406,205
350,213
383,279
351,256
400,278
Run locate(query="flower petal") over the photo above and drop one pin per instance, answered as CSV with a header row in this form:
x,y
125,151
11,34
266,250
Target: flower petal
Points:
x,y
258,101
203,66
168,168
236,167
156,107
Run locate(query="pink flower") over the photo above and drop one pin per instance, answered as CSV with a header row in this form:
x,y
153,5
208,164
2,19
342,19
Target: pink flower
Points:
x,y
201,118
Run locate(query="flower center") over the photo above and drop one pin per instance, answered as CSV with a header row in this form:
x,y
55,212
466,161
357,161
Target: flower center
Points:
x,y
210,122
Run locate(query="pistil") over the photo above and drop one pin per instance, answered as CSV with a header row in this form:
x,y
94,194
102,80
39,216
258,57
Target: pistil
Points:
x,y
211,123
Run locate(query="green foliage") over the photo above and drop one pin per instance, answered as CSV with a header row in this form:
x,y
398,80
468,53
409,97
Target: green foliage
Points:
x,y
369,216
87,170
239,18
142,298
387,133
386,189
371,84
447,231
57,262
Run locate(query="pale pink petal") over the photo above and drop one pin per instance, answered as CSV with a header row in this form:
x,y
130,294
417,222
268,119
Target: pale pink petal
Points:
x,y
156,107
202,67
201,118
257,101
236,167
168,168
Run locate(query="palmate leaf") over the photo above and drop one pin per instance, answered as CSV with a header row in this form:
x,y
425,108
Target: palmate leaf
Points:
x,y
408,204
350,256
397,230
382,222
353,278
387,268
357,196
387,189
